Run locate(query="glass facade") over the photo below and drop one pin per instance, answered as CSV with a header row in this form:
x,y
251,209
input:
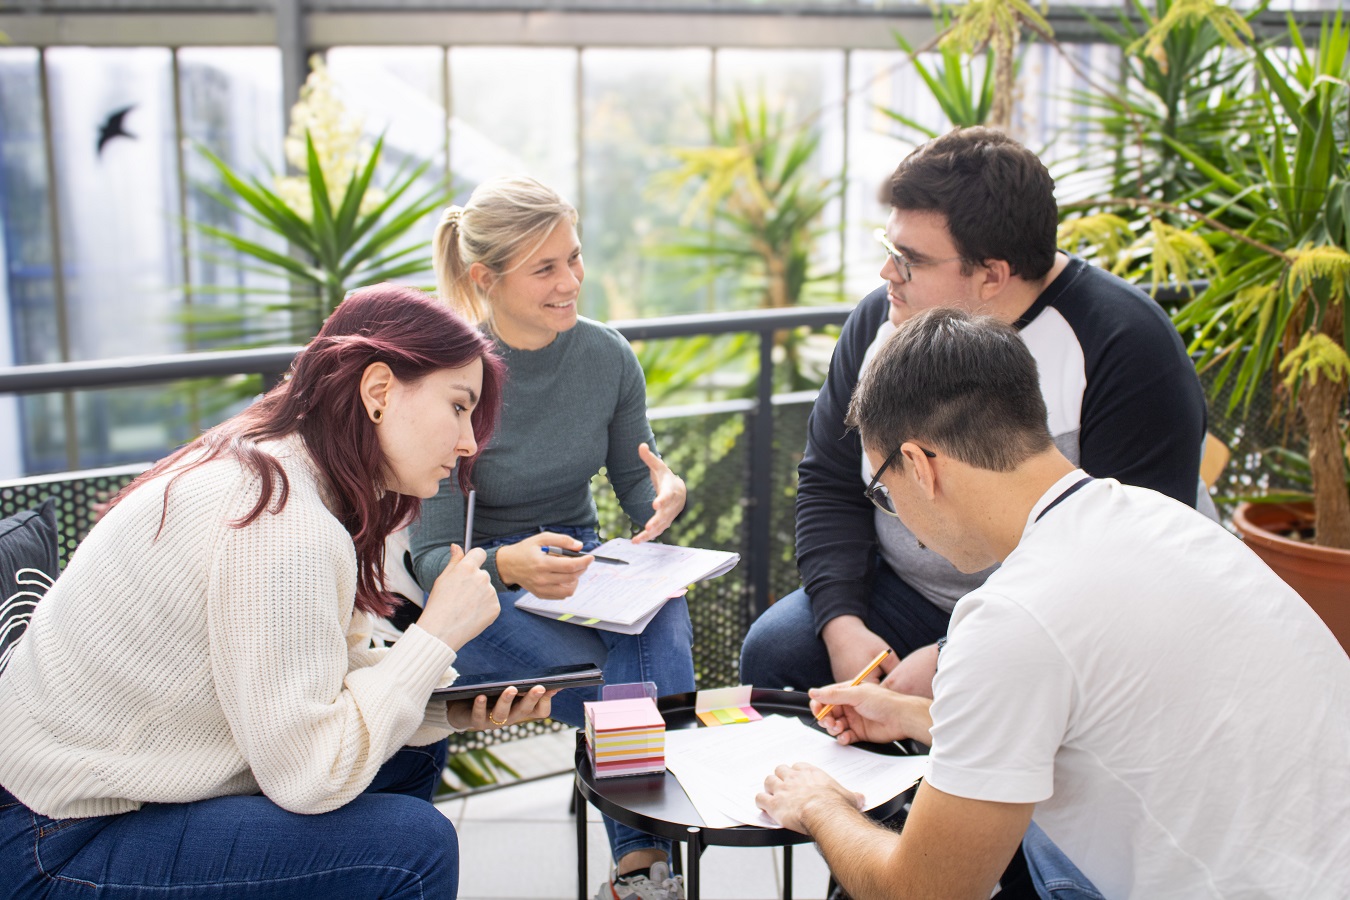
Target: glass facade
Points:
x,y
102,161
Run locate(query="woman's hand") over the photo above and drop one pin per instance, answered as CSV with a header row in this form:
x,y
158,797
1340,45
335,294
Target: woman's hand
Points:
x,y
670,496
546,576
473,715
462,602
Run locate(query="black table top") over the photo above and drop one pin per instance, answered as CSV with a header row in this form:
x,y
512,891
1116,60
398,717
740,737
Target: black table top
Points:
x,y
658,805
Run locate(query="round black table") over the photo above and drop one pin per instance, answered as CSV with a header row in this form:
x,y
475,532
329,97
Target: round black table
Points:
x,y
658,805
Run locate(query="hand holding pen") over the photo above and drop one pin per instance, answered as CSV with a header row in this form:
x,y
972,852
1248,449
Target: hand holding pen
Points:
x,y
577,554
858,680
549,576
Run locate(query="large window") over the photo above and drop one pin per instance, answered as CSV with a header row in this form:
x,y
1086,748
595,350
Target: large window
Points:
x,y
101,166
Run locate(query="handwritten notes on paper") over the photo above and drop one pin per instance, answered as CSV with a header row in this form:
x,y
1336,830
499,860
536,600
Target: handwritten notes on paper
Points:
x,y
722,769
625,598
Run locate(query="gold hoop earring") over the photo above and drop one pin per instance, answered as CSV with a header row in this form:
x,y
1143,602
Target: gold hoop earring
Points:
x,y
376,415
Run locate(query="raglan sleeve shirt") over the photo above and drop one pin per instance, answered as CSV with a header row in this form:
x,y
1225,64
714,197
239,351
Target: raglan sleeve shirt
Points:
x,y
836,533
1143,408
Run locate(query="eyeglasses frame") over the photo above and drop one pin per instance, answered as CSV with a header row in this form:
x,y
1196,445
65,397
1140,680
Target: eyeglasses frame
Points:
x,y
901,262
875,489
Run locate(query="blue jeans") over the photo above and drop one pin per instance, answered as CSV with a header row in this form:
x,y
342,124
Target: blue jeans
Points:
x,y
661,654
782,648
388,842
1052,874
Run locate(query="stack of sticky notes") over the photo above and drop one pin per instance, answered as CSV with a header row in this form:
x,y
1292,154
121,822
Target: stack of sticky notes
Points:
x,y
625,737
725,706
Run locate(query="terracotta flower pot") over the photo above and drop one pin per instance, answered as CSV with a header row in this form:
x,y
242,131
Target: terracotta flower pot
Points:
x,y
1321,575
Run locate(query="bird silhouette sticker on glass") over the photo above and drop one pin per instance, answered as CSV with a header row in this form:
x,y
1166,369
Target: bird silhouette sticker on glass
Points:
x,y
114,127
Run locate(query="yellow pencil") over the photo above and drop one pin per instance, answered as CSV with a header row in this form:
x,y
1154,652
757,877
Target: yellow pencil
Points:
x,y
857,681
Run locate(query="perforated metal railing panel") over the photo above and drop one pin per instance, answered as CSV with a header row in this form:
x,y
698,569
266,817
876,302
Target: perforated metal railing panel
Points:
x,y
76,494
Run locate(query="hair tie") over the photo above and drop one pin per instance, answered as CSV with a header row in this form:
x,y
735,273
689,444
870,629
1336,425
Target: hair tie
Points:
x,y
452,215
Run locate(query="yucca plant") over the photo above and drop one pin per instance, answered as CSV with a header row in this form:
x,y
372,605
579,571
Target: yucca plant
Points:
x,y
1186,72
962,88
996,25
339,230
1278,307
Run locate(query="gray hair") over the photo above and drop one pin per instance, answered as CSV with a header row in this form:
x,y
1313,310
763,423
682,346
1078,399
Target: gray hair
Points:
x,y
505,219
965,386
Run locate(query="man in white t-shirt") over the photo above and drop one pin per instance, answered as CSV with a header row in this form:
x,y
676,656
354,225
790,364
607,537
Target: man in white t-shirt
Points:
x,y
1172,715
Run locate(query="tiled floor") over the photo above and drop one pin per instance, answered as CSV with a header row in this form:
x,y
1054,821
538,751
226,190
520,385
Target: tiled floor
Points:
x,y
520,841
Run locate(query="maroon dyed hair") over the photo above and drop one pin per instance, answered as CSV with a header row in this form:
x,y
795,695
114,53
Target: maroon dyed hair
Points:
x,y
415,336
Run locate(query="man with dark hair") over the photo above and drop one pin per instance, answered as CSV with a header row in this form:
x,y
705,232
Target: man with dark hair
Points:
x,y
972,226
1171,713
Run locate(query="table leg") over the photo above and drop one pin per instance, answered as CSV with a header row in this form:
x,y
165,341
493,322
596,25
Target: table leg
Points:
x,y
695,851
787,872
579,803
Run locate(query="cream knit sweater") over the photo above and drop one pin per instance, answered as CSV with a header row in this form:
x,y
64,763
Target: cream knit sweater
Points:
x,y
211,661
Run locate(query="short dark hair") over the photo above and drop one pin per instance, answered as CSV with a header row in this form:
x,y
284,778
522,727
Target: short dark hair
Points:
x,y
962,385
996,195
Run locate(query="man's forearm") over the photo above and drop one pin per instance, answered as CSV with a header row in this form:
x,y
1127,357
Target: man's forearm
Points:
x,y
859,852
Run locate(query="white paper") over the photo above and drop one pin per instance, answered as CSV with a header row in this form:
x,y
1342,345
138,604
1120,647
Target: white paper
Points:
x,y
722,769
629,595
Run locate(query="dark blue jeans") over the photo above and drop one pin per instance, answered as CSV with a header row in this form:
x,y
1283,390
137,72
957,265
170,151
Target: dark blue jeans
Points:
x,y
661,654
782,648
389,842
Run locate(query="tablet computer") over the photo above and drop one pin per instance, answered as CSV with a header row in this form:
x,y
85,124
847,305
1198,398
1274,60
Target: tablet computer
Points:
x,y
467,687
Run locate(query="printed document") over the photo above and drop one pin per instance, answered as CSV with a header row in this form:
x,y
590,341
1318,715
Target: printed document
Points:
x,y
625,598
722,769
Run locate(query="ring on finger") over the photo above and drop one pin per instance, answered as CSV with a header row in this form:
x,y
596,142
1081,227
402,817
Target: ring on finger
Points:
x,y
494,721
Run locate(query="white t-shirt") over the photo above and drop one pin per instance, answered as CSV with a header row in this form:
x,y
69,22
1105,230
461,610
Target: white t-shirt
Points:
x,y
1179,716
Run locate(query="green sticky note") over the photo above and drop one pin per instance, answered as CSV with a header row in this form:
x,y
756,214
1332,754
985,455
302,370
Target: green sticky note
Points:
x,y
724,716
564,617
590,621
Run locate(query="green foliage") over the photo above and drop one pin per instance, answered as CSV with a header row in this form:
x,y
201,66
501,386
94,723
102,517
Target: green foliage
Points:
x,y
478,768
1279,304
338,247
1262,306
753,215
963,89
1186,80
679,369
996,25
1287,467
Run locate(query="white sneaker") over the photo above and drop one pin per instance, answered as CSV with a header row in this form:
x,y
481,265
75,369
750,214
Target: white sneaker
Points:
x,y
660,886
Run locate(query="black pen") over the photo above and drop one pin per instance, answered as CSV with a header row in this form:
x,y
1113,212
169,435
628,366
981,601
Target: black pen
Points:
x,y
559,551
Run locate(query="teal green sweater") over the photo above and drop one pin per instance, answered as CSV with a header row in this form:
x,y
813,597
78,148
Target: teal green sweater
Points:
x,y
575,406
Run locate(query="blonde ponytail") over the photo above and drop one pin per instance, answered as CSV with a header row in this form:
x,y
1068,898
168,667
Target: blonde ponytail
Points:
x,y
453,284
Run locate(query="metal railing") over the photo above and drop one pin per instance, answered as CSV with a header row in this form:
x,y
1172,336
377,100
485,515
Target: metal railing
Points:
x,y
273,362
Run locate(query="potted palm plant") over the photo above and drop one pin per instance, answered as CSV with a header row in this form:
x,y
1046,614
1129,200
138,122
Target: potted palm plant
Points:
x,y
1277,309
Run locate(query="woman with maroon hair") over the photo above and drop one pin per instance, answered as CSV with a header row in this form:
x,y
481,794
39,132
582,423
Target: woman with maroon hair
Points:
x,y
196,708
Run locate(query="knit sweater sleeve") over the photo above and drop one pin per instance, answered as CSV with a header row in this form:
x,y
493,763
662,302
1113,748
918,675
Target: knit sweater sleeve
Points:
x,y
629,428
313,730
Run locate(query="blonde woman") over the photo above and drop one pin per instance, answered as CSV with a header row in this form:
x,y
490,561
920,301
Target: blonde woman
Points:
x,y
574,402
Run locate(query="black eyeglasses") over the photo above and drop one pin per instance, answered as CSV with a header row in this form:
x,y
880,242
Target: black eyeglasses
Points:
x,y
876,491
903,265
